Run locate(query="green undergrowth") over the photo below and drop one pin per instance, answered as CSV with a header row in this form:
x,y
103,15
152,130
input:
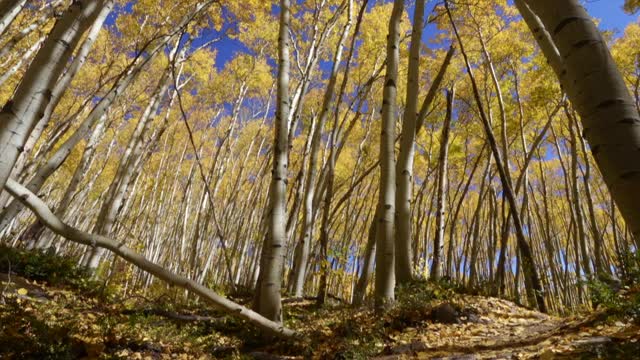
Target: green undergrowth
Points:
x,y
620,297
73,319
44,266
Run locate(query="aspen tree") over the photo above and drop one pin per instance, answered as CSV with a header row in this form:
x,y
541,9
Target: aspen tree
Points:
x,y
311,178
269,301
598,93
385,259
443,157
9,9
404,166
21,113
523,246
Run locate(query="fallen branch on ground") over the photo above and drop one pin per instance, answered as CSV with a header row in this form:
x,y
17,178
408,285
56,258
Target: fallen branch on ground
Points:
x,y
172,315
44,214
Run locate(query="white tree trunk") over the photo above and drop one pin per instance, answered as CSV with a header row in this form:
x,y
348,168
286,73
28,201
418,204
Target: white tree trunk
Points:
x,y
599,94
441,197
62,85
20,114
310,187
385,272
24,58
269,297
9,9
404,167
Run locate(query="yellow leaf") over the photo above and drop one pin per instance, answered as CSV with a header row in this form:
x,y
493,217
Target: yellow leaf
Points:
x,y
23,291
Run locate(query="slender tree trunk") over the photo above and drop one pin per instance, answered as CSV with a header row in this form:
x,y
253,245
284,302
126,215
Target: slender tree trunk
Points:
x,y
269,303
443,158
9,9
311,178
385,274
404,166
64,82
525,249
368,263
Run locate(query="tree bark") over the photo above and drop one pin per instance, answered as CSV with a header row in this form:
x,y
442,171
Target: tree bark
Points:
x,y
404,166
599,94
385,274
269,302
443,157
21,113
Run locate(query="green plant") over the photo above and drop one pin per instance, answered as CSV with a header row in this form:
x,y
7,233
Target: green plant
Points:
x,y
620,297
46,266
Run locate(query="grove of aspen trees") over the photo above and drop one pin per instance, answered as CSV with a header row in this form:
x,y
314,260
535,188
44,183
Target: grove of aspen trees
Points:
x,y
244,155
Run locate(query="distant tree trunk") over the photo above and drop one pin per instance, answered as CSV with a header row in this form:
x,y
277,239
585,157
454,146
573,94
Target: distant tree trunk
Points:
x,y
449,271
577,201
46,15
63,84
9,9
475,245
127,169
81,169
525,249
385,272
443,158
325,265
601,269
311,178
26,56
269,303
368,263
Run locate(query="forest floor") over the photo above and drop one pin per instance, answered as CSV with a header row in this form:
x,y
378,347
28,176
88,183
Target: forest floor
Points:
x,y
52,312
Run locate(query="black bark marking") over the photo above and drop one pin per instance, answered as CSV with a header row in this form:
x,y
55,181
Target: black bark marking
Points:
x,y
629,174
608,103
629,121
64,43
583,43
564,23
8,107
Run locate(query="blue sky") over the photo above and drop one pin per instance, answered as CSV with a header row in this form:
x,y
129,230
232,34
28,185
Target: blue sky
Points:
x,y
610,13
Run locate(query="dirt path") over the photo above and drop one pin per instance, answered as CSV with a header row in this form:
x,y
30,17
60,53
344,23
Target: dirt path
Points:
x,y
503,330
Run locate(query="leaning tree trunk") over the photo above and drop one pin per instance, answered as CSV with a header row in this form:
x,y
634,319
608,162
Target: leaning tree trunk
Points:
x,y
62,85
599,94
47,217
269,302
21,113
9,9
